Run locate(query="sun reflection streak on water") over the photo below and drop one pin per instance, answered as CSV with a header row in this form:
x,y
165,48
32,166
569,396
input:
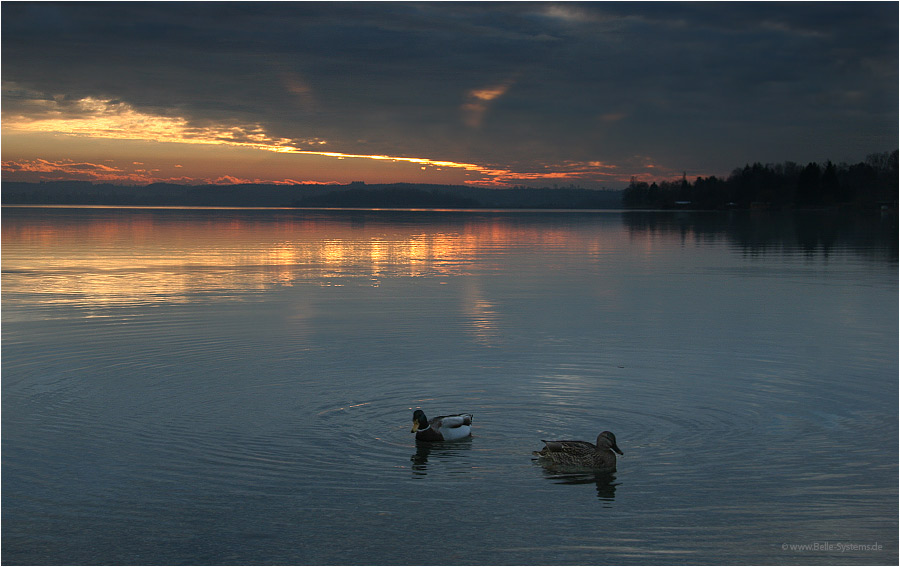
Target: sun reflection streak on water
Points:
x,y
104,259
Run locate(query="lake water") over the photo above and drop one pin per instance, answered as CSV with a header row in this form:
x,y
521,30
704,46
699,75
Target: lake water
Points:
x,y
186,386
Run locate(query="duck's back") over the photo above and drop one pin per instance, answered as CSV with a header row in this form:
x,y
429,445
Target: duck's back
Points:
x,y
573,447
577,454
450,421
453,427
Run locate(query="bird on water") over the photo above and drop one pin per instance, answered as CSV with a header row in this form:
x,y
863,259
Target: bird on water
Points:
x,y
441,428
581,454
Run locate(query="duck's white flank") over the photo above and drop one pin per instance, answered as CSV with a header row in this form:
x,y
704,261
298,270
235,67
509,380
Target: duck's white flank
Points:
x,y
451,433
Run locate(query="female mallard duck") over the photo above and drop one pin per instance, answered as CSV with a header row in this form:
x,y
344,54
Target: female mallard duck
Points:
x,y
581,454
441,428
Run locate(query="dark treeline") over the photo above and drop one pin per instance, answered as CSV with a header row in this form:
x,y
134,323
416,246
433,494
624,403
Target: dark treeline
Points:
x,y
358,194
864,185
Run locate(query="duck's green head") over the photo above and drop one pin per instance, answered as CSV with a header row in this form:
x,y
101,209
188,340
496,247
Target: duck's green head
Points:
x,y
606,440
419,420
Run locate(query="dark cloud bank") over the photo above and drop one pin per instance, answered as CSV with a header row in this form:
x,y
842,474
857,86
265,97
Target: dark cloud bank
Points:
x,y
702,87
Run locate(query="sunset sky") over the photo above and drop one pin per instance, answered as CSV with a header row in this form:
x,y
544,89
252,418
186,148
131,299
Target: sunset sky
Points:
x,y
488,94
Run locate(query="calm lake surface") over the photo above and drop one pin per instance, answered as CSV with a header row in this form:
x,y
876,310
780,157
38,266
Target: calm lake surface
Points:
x,y
185,386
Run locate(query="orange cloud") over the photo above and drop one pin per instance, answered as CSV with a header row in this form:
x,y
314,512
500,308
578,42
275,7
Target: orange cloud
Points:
x,y
234,180
49,170
478,100
102,118
65,166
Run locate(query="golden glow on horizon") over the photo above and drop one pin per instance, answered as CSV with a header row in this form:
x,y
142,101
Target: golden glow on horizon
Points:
x,y
107,172
500,173
97,118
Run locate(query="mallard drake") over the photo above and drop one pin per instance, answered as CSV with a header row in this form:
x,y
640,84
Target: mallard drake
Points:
x,y
441,428
581,454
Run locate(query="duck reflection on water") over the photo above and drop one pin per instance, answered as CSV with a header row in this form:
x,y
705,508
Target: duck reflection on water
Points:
x,y
605,481
437,451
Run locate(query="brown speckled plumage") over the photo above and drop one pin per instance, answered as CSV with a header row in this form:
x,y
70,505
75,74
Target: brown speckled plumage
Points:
x,y
581,454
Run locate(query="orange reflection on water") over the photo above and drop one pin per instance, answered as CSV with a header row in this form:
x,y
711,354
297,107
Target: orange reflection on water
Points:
x,y
99,256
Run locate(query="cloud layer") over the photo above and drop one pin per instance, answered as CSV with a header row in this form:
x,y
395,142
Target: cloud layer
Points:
x,y
502,92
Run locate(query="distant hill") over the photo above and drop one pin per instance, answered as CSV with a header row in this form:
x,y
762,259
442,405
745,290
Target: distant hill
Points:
x,y
396,195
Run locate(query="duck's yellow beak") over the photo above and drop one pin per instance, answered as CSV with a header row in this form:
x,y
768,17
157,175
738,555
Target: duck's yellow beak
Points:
x,y
415,427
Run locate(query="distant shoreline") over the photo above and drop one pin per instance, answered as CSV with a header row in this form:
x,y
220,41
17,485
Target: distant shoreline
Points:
x,y
865,186
348,209
352,196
